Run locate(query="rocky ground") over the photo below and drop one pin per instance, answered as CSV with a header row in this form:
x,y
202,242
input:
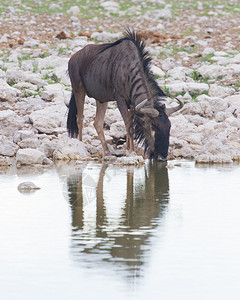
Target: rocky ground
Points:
x,y
196,55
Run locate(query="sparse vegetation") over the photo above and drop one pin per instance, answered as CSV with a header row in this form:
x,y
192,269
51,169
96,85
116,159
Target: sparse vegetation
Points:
x,y
195,75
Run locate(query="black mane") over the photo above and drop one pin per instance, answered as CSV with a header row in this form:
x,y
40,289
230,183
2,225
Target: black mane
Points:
x,y
131,35
158,94
138,122
146,60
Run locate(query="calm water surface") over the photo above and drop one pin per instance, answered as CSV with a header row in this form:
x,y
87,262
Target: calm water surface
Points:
x,y
104,232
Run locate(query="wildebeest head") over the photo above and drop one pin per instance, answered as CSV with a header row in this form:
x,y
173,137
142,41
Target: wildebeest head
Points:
x,y
156,126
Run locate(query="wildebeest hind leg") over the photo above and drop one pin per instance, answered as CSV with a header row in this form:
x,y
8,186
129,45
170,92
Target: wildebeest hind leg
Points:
x,y
80,98
98,124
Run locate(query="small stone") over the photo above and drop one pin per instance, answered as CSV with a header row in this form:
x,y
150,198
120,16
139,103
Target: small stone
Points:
x,y
27,186
207,51
130,160
61,35
47,96
74,10
157,71
21,41
54,7
105,36
164,13
111,6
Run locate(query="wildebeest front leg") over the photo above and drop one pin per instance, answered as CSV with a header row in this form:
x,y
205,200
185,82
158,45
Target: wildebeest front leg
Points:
x,y
127,118
98,124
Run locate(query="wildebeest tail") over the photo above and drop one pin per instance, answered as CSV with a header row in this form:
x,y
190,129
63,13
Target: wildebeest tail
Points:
x,y
72,118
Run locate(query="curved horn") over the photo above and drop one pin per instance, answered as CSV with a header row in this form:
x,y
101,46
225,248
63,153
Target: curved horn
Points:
x,y
140,105
172,110
152,112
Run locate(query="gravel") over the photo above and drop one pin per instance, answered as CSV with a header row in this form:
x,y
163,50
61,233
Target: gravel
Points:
x,y
195,54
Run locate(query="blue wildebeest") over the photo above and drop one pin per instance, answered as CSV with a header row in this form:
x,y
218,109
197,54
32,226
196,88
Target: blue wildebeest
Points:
x,y
120,72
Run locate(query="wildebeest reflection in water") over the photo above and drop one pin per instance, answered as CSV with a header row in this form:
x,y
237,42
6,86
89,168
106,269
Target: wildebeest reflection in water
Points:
x,y
115,216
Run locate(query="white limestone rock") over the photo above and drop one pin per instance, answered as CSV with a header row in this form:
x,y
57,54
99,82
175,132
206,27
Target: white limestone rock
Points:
x,y
10,122
192,108
50,120
5,161
70,149
25,85
181,127
214,150
54,7
216,103
52,61
196,119
21,135
117,130
157,71
31,43
61,72
30,156
212,71
74,10
168,64
4,38
8,93
48,146
15,75
213,158
187,97
193,87
164,13
112,116
207,51
232,69
180,148
220,116
3,76
179,72
133,159
111,6
58,91
234,104
220,91
106,36
7,146
236,59
47,96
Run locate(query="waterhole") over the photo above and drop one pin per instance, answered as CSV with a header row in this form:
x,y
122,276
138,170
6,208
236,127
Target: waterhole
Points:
x,y
99,231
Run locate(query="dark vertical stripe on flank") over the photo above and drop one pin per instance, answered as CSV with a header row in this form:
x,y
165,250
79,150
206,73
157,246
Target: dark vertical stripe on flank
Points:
x,y
133,85
133,68
136,96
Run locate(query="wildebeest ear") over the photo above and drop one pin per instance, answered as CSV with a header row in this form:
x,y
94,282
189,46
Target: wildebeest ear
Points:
x,y
163,106
160,106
